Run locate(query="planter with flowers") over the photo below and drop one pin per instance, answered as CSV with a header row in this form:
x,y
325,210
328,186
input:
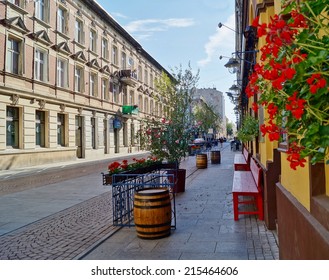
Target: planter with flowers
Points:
x,y
137,166
292,80
249,129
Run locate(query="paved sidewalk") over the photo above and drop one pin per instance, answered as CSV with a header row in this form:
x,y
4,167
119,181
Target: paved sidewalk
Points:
x,y
72,219
205,226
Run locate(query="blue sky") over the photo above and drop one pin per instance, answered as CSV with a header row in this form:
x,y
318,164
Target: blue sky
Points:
x,y
176,32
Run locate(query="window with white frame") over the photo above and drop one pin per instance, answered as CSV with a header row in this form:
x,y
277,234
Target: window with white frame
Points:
x,y
114,55
146,105
105,89
41,65
78,78
140,73
140,102
92,84
61,130
123,60
146,81
62,72
105,48
40,128
92,40
125,96
115,93
79,33
132,97
151,80
62,20
14,56
42,10
151,107
12,127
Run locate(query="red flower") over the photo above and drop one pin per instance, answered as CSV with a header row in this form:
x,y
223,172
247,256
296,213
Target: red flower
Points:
x,y
294,156
296,106
316,82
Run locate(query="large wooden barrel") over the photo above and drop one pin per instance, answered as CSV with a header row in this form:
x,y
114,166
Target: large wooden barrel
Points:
x,y
152,213
201,161
215,157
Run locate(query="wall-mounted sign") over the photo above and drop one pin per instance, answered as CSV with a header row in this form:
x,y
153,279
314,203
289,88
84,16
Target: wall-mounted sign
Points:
x,y
117,123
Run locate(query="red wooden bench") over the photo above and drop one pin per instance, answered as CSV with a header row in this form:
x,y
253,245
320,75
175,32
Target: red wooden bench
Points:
x,y
248,184
241,161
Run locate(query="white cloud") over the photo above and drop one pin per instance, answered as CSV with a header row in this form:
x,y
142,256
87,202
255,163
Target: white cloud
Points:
x,y
223,39
155,25
118,15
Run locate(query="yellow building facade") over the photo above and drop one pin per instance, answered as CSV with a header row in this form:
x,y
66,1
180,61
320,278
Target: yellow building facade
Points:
x,y
296,202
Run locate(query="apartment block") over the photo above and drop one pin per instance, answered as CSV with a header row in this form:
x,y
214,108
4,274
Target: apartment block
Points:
x,y
73,83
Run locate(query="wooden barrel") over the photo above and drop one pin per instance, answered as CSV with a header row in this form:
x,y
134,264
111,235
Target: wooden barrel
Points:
x,y
215,157
152,213
201,161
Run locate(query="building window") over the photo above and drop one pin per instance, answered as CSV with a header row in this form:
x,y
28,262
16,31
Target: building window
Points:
x,y
40,128
146,77
79,33
62,73
14,56
12,127
123,60
42,10
93,40
115,55
78,79
62,23
61,130
151,80
131,98
105,48
115,93
146,105
151,107
140,73
125,97
105,89
93,133
41,65
92,84
140,102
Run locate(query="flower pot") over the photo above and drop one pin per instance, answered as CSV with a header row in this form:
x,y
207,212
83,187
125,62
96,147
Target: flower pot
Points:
x,y
178,179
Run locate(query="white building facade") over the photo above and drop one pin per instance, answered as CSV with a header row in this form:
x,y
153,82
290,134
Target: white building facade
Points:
x,y
73,83
215,98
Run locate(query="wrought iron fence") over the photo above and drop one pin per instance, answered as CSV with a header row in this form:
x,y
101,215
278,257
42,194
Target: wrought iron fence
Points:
x,y
124,187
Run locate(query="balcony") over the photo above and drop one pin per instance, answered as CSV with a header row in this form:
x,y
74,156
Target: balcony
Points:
x,y
130,109
128,77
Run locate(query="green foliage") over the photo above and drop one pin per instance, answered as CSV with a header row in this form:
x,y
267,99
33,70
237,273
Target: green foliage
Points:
x,y
249,129
168,137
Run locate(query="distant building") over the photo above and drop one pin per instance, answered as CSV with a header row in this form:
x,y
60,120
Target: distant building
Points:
x,y
215,98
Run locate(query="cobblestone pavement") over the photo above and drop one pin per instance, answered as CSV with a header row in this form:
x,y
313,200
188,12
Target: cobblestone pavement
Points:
x,y
76,231
63,235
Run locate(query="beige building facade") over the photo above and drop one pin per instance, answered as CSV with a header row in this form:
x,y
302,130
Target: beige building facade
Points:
x,y
73,83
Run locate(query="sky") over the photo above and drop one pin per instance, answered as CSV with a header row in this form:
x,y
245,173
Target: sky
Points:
x,y
178,32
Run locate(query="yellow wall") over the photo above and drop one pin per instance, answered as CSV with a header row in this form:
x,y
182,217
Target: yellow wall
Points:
x,y
296,181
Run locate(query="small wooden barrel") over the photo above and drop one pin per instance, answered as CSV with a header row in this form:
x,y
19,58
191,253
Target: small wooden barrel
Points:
x,y
152,213
201,161
215,157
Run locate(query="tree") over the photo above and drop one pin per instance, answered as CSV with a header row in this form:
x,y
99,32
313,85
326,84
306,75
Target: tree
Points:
x,y
168,137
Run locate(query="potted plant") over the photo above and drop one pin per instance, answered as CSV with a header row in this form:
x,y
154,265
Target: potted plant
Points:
x,y
167,137
249,129
292,78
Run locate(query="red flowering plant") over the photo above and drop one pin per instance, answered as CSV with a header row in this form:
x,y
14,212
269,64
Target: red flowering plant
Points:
x,y
292,79
118,167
